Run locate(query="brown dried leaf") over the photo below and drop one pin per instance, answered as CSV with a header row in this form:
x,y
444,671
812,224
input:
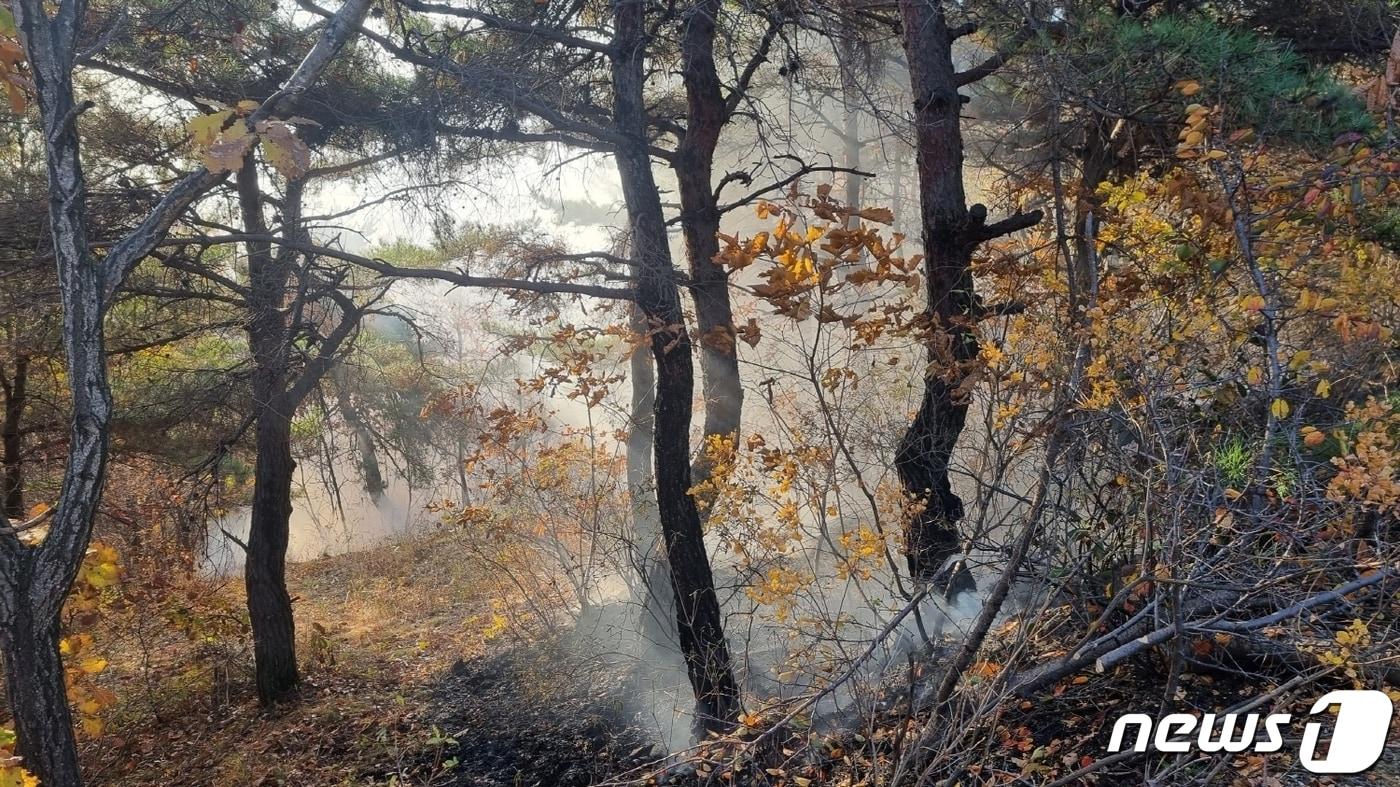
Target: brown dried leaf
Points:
x,y
286,152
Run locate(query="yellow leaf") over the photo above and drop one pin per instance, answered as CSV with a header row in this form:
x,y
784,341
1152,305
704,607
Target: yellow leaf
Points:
x,y
1215,155
102,575
204,130
1279,408
15,776
1188,87
227,153
93,666
1324,389
92,727
1252,303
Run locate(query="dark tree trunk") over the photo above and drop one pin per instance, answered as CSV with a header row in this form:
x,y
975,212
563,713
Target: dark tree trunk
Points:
x,y
269,604
12,440
1096,162
698,620
277,392
39,701
370,472
926,450
700,216
34,580
951,232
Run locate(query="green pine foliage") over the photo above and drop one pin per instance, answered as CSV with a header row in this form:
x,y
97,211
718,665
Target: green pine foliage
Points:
x,y
1259,82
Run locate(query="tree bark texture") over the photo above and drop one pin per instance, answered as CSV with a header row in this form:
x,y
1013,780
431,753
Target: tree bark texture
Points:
x,y
34,580
269,604
951,232
706,114
698,622
12,439
39,700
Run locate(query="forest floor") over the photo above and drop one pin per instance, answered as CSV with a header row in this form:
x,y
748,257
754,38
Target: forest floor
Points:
x,y
377,632
415,673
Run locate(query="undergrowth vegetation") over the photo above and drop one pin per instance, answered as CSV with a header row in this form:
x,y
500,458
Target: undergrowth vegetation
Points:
x,y
1032,371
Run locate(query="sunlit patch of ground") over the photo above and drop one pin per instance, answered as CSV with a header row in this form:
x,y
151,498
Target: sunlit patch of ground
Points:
x,y
377,631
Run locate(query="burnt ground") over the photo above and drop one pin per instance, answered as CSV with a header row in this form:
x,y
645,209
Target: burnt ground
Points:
x,y
547,714
538,714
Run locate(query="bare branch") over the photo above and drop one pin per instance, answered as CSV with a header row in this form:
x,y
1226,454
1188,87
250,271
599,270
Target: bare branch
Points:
x,y
129,252
510,25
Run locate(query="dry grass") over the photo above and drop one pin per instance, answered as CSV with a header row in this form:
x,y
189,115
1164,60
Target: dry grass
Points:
x,y
376,629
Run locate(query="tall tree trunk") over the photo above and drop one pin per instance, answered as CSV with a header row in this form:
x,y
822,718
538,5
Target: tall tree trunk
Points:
x,y
39,700
269,605
648,545
698,622
34,580
700,216
925,452
12,439
855,64
951,232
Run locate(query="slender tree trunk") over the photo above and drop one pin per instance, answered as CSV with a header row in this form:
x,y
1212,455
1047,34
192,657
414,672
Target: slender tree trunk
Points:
x,y
648,547
951,233
12,440
1095,164
34,580
277,393
39,701
700,217
855,63
370,473
698,621
463,487
925,452
269,604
